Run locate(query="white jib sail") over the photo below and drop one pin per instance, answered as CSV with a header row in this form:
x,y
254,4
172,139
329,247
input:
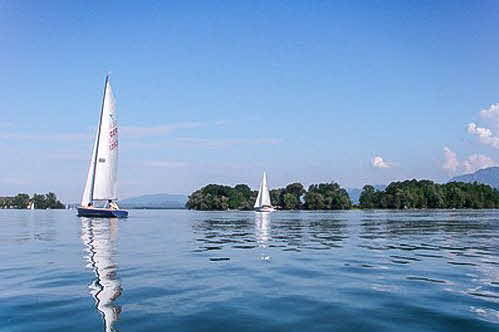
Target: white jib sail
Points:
x,y
87,193
102,175
263,198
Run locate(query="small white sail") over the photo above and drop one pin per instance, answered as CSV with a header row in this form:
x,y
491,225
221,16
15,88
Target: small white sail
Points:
x,y
87,193
102,174
258,201
263,198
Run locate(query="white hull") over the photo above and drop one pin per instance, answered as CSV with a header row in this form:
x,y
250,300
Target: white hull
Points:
x,y
264,209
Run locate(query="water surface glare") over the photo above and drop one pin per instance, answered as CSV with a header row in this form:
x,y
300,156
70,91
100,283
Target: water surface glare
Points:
x,y
243,271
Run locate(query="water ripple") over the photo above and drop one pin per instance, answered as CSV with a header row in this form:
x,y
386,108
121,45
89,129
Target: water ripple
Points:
x,y
245,271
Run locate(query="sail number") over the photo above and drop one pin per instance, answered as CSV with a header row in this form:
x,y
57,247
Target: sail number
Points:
x,y
113,132
113,145
113,135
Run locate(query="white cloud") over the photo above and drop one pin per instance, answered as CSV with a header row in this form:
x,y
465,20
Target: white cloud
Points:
x,y
485,135
379,162
451,163
476,162
491,113
471,164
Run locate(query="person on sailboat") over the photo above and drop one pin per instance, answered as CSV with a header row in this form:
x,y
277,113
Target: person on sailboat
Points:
x,y
112,205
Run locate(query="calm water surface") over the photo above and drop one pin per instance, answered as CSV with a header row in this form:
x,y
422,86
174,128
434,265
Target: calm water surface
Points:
x,y
242,271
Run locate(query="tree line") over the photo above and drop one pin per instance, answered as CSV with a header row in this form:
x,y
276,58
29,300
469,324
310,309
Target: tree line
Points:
x,y
23,201
425,194
323,196
410,194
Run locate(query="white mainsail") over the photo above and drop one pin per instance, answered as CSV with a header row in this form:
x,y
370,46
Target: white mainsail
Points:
x,y
102,173
263,198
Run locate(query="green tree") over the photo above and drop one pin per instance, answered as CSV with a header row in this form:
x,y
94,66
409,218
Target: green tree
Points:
x,y
277,197
367,197
314,201
329,196
290,202
21,201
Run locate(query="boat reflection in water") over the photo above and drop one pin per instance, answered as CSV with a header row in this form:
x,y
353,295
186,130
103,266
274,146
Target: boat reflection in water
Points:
x,y
262,231
99,236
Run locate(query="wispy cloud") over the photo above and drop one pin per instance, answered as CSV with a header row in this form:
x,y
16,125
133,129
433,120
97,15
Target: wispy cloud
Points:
x,y
137,131
68,156
127,131
218,143
166,164
379,162
45,136
13,181
222,123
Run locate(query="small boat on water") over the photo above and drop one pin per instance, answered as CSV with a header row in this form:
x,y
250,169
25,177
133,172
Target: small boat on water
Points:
x,y
31,205
263,203
101,191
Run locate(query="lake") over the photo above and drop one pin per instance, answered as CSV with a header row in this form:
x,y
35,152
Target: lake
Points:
x,y
178,270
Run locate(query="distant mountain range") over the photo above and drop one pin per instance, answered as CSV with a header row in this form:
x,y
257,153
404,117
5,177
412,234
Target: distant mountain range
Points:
x,y
488,176
154,201
354,193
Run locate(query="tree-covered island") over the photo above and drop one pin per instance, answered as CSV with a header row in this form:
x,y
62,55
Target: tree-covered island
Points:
x,y
410,194
23,201
323,196
425,194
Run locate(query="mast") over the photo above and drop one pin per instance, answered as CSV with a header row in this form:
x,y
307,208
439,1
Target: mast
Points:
x,y
98,139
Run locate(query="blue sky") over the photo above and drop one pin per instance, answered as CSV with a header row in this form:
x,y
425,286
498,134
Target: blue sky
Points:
x,y
218,91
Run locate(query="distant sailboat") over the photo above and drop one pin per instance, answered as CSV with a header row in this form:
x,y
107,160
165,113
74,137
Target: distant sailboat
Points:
x,y
263,203
31,205
101,186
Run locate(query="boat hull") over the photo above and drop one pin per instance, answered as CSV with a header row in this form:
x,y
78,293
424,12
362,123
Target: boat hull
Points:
x,y
264,209
101,213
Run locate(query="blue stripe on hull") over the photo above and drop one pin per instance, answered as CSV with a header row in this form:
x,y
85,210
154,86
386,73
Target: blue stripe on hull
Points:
x,y
102,213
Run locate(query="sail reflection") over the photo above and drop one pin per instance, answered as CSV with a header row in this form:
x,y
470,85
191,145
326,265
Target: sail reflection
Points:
x,y
99,236
262,228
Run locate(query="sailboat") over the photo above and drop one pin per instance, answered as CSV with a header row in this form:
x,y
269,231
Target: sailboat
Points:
x,y
31,205
101,186
262,203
